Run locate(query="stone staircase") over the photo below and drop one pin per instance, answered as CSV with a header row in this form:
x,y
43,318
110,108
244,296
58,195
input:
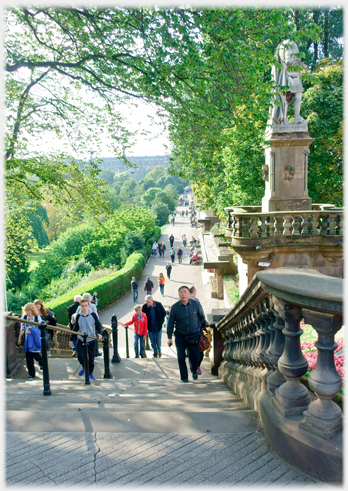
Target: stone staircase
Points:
x,y
142,428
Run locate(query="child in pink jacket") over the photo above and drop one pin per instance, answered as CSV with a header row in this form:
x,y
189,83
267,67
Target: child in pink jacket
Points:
x,y
139,320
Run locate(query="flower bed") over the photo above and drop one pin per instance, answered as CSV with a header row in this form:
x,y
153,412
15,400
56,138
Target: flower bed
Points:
x,y
310,352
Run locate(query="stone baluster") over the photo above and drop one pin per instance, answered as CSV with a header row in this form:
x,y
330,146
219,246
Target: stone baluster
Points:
x,y
315,229
245,226
267,333
287,224
267,366
263,226
254,227
305,224
296,225
276,379
332,224
292,397
324,417
324,224
278,228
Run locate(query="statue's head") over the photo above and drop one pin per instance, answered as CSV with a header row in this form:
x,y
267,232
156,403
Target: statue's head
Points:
x,y
287,46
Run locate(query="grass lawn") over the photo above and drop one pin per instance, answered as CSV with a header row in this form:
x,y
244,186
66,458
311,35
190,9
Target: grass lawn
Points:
x,y
35,257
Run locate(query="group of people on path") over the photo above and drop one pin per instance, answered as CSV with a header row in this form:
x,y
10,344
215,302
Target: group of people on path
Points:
x,y
185,320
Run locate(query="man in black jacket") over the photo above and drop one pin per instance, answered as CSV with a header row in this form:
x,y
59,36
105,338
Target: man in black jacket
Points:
x,y
155,314
148,286
185,319
71,311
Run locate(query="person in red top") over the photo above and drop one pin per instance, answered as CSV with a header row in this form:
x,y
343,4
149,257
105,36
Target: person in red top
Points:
x,y
139,320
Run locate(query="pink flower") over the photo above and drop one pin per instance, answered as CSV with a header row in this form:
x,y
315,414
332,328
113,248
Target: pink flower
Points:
x,y
310,352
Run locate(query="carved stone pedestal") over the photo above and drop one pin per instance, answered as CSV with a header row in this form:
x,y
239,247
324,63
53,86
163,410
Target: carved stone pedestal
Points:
x,y
286,168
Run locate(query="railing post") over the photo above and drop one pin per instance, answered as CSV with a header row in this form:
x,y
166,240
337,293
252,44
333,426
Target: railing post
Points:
x,y
116,357
323,416
105,335
46,377
86,359
292,397
127,345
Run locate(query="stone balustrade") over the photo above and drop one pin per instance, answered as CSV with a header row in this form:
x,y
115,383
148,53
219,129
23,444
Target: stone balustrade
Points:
x,y
245,224
262,360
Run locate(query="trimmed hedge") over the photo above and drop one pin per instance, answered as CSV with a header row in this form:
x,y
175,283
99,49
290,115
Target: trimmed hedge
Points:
x,y
109,288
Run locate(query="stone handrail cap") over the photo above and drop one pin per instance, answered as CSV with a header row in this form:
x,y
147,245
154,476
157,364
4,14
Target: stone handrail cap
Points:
x,y
306,287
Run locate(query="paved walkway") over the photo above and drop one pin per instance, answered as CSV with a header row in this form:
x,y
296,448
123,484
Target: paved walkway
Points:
x,y
143,427
182,274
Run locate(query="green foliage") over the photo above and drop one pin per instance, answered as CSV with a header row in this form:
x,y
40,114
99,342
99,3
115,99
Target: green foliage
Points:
x,y
59,286
107,175
109,246
19,241
323,107
38,219
108,288
162,211
69,244
80,266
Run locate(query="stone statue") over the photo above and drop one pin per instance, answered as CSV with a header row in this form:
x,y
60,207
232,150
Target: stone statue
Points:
x,y
285,56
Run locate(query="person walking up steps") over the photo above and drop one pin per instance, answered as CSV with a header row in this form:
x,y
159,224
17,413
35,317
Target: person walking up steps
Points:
x,y
139,320
169,270
88,322
161,280
186,317
171,240
179,254
155,317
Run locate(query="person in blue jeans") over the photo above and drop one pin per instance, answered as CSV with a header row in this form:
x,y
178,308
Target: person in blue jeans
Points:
x,y
155,317
134,287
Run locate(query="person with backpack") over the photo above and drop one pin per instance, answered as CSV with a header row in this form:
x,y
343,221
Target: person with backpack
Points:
x,y
86,321
172,254
32,343
95,299
49,317
179,254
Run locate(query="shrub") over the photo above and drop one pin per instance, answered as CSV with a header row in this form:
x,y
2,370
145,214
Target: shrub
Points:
x,y
59,286
79,266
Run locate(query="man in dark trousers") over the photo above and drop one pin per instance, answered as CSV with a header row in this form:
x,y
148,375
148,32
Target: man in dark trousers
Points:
x,y
148,286
72,310
171,240
163,248
155,317
169,270
186,316
134,287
